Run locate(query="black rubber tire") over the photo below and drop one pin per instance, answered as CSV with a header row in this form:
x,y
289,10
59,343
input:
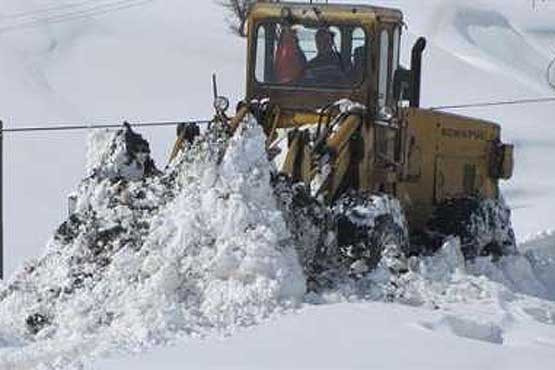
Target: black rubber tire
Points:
x,y
483,226
309,223
364,244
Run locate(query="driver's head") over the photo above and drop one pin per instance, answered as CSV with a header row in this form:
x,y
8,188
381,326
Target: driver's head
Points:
x,y
324,41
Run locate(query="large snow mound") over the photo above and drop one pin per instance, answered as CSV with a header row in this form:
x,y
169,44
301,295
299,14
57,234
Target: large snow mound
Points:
x,y
147,257
202,248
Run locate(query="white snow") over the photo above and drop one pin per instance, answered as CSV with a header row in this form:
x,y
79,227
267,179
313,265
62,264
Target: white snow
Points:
x,y
453,320
211,258
153,61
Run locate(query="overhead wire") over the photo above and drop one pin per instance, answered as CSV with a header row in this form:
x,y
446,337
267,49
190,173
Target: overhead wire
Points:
x,y
50,9
87,12
80,127
76,127
497,103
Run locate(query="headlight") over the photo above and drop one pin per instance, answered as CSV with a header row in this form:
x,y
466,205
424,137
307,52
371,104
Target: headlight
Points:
x,y
221,104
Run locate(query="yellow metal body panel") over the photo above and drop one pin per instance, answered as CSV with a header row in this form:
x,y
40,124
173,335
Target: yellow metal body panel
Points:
x,y
327,13
348,128
449,156
296,119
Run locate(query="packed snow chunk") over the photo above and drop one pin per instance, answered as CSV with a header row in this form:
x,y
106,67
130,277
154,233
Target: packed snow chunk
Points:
x,y
540,251
445,279
531,273
467,328
446,262
121,154
544,315
98,144
513,272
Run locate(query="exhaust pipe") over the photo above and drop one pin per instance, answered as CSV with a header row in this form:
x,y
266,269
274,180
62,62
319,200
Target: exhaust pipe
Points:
x,y
416,69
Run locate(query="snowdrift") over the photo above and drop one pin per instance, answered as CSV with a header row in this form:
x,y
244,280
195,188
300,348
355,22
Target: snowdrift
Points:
x,y
481,35
148,256
201,249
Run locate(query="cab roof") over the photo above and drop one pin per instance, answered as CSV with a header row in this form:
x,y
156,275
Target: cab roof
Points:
x,y
329,12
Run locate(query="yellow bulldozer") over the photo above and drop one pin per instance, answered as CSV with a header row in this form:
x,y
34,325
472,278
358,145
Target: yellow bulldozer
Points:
x,y
354,151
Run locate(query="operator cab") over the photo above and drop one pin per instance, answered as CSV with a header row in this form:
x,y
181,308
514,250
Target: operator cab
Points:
x,y
304,56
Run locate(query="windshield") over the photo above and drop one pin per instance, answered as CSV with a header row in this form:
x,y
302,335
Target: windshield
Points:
x,y
299,55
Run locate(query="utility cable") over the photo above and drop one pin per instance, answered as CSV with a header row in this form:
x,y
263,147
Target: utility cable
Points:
x,y
50,9
90,11
497,103
77,14
77,127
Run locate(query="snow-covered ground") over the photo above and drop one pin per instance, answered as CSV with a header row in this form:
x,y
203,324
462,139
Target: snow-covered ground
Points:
x,y
464,320
153,61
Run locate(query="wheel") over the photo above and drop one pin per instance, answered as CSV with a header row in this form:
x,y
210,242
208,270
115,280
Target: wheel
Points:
x,y
310,225
483,226
371,230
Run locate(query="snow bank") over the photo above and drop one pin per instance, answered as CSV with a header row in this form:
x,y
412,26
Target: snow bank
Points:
x,y
446,281
459,319
147,257
540,251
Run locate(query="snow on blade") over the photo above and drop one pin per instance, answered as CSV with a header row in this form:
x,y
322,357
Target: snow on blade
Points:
x,y
148,257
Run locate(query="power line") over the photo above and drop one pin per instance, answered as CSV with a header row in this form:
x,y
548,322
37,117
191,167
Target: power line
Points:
x,y
75,15
75,127
49,9
498,103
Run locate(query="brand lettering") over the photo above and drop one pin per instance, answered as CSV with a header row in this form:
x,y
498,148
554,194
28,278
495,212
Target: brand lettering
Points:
x,y
464,133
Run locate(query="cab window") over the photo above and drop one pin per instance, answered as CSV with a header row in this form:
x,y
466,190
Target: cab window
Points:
x,y
383,83
299,55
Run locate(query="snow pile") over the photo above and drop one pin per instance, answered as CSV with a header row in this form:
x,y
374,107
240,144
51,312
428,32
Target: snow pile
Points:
x,y
446,281
488,301
147,257
202,248
540,251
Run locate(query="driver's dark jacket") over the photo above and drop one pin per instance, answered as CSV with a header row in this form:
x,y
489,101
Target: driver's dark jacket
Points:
x,y
325,69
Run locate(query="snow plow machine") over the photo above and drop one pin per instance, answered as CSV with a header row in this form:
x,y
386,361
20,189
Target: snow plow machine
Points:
x,y
364,175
